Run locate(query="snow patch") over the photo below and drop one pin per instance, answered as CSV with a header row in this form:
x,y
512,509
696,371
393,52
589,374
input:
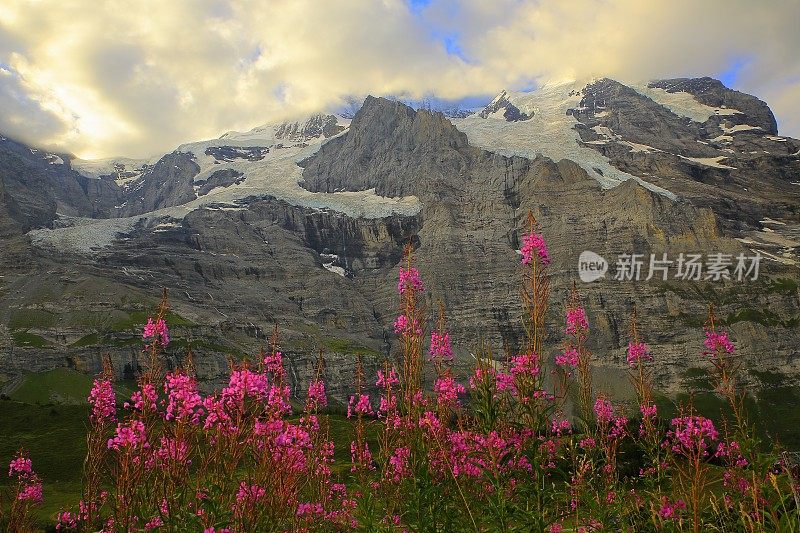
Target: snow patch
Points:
x,y
683,104
549,132
722,138
738,128
328,261
124,169
639,148
708,161
83,235
277,175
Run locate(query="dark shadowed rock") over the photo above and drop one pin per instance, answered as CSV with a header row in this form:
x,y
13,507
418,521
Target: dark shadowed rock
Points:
x,y
220,178
169,183
510,112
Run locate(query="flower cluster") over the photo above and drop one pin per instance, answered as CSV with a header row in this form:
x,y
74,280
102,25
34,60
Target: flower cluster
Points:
x,y
670,510
733,453
717,341
508,458
129,436
404,326
611,426
316,394
359,404
440,350
409,280
692,435
638,352
526,364
447,390
29,487
576,321
20,466
603,410
533,243
398,464
157,331
143,399
569,357
184,402
387,379
103,401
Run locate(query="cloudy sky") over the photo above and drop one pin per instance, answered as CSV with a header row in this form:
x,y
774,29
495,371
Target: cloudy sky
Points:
x,y
136,77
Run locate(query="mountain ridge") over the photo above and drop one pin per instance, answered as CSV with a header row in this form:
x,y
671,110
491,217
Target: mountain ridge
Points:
x,y
303,224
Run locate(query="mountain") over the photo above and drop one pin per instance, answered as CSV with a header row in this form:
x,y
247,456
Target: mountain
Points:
x,y
302,224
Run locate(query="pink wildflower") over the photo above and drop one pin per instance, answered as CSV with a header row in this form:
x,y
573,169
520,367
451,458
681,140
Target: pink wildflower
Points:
x,y
447,390
360,456
560,426
534,243
249,494
66,520
525,365
242,384
173,451
409,279
359,404
310,509
398,464
157,331
273,363
406,327
31,491
389,380
316,394
103,401
568,358
669,511
144,399
278,403
183,400
733,452
692,435
431,422
717,340
603,410
648,411
129,436
153,523
440,349
21,466
576,321
638,351
503,382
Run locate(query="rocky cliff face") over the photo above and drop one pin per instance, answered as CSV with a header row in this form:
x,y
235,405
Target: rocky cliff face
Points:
x,y
169,183
711,162
37,186
676,166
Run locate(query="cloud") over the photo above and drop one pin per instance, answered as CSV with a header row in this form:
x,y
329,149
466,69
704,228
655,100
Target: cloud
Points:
x,y
137,78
